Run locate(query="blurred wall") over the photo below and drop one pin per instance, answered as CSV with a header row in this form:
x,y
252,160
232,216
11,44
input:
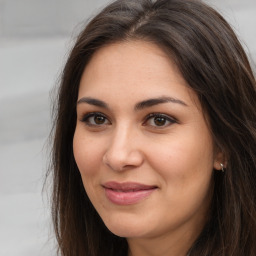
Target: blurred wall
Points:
x,y
30,18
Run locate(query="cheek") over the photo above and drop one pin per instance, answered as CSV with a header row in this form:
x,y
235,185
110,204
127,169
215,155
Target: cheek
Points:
x,y
183,161
87,153
186,174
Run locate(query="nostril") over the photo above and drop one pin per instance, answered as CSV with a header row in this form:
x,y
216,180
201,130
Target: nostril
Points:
x,y
122,161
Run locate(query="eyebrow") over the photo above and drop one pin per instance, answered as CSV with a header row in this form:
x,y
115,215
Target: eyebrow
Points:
x,y
94,102
139,106
155,101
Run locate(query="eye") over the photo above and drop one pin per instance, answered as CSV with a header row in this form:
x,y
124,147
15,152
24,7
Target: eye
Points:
x,y
95,119
159,120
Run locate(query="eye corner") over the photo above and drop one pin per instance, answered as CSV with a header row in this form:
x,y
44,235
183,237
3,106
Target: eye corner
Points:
x,y
95,119
163,120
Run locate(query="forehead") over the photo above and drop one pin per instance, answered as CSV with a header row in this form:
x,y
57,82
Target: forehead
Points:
x,y
135,68
124,55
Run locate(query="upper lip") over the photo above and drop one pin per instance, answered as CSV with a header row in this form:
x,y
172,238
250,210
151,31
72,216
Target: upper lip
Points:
x,y
127,186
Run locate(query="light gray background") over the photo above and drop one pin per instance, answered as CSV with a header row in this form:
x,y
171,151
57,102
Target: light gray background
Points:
x,y
35,36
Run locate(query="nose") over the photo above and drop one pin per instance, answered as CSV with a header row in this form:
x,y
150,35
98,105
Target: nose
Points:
x,y
123,150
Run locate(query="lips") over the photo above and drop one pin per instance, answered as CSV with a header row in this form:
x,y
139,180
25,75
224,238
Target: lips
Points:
x,y
127,193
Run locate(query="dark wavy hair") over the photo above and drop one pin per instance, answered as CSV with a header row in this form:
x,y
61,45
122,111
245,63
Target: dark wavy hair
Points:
x,y
214,64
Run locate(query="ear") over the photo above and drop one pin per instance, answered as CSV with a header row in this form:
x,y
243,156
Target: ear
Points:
x,y
219,161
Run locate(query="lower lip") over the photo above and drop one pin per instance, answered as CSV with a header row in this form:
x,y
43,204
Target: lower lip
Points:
x,y
127,198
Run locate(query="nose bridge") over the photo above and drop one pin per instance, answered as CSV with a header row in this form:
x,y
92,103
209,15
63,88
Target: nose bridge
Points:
x,y
123,149
122,136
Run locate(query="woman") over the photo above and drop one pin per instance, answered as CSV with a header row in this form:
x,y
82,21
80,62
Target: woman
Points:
x,y
154,138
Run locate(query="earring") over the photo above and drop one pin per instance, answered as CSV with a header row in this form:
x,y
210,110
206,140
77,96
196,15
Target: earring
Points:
x,y
222,167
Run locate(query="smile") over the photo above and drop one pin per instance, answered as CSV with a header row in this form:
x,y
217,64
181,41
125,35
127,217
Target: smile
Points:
x,y
127,193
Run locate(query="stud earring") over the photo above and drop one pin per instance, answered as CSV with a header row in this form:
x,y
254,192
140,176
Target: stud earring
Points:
x,y
222,167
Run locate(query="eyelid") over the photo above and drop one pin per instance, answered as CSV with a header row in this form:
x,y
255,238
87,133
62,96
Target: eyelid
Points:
x,y
168,118
86,116
172,120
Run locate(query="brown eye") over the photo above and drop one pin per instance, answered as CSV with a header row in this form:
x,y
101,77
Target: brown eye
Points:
x,y
160,121
95,119
99,119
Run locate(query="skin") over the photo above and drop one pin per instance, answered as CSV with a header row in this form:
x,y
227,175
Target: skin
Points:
x,y
123,144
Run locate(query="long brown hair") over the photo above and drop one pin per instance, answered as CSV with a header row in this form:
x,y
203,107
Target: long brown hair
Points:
x,y
212,61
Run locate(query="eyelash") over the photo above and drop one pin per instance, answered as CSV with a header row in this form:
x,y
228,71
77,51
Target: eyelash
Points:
x,y
153,116
166,118
86,118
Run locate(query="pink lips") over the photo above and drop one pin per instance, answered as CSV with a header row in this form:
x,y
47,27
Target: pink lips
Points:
x,y
127,193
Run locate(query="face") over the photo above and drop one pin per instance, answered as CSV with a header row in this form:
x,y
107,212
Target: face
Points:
x,y
142,144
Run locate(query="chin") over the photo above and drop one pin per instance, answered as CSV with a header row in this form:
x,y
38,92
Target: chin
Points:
x,y
126,232
124,228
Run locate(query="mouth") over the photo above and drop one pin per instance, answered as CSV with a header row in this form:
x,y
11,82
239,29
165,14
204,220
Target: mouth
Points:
x,y
127,193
